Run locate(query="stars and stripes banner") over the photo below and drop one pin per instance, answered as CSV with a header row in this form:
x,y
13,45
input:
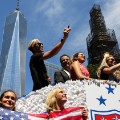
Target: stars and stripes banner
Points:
x,y
103,101
72,113
12,115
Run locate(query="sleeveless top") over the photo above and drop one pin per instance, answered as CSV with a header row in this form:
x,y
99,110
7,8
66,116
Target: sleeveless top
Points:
x,y
110,76
83,70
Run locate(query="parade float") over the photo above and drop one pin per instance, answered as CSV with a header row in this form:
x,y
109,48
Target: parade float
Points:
x,y
101,98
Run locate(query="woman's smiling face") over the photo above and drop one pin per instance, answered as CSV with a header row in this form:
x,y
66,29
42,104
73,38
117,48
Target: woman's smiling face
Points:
x,y
81,57
8,100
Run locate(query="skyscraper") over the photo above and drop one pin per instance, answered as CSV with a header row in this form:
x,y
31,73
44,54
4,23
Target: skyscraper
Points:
x,y
13,53
51,69
100,39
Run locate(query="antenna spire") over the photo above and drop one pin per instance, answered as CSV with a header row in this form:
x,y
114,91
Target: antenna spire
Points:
x,y
17,8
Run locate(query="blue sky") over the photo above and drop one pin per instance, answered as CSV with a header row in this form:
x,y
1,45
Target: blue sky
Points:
x,y
46,20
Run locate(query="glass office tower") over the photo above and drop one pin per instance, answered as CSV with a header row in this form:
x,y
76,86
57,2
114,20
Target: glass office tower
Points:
x,y
13,53
51,69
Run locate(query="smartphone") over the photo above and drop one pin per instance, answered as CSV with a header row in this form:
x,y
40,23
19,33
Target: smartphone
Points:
x,y
69,26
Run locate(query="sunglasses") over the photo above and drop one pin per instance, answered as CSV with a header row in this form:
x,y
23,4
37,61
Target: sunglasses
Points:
x,y
112,59
81,54
40,44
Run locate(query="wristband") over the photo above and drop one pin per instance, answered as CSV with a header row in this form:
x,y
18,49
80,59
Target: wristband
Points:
x,y
62,39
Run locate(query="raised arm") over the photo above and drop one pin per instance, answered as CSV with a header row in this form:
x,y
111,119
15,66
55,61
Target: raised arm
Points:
x,y
58,46
111,69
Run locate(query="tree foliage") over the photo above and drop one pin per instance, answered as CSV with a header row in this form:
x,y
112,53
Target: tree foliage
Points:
x,y
92,68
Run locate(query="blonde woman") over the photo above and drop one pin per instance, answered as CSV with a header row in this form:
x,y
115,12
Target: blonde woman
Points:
x,y
56,99
37,67
108,69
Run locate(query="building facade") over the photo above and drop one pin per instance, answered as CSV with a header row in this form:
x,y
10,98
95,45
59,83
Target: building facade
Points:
x,y
100,39
13,53
51,69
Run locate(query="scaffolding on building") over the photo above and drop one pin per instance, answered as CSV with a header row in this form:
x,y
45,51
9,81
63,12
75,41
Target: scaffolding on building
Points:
x,y
100,39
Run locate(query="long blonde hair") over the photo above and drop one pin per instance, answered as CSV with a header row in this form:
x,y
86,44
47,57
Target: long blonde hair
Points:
x,y
116,73
103,63
51,101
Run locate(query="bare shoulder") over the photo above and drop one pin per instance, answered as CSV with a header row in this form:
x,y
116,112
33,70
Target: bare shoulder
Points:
x,y
75,63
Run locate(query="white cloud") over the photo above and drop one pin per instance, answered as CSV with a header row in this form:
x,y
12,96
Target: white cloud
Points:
x,y
79,39
50,8
112,16
112,12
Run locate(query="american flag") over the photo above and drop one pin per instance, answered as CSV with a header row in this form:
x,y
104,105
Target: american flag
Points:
x,y
13,115
71,113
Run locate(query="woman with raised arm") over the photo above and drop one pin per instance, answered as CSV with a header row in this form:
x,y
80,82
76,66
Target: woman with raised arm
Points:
x,y
108,69
37,66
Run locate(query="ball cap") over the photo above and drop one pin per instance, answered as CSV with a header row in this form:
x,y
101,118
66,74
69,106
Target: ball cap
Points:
x,y
32,43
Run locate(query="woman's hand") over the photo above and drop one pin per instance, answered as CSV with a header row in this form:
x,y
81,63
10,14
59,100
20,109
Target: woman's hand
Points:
x,y
85,113
88,78
66,32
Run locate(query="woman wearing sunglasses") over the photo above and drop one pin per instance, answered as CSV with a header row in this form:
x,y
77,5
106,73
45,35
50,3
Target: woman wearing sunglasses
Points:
x,y
77,69
108,69
37,67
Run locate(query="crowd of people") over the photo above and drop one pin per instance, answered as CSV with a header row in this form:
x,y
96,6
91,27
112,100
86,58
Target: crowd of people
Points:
x,y
72,69
55,101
